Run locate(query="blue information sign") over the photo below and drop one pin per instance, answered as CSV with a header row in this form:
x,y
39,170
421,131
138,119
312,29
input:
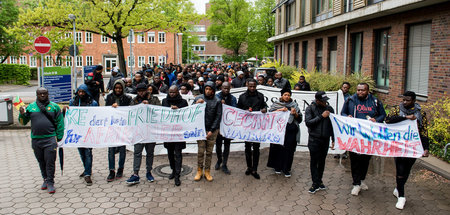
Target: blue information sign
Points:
x,y
57,80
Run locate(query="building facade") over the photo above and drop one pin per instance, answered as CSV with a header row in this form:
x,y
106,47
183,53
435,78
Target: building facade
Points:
x,y
402,44
147,48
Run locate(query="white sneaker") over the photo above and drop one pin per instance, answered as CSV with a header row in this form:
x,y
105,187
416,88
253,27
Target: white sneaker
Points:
x,y
400,203
356,189
395,193
364,186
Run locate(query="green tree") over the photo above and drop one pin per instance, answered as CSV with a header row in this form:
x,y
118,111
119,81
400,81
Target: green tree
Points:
x,y
262,27
113,18
9,45
188,41
230,23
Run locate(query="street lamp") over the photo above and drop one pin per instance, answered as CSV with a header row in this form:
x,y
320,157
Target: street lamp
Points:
x,y
73,17
178,55
188,51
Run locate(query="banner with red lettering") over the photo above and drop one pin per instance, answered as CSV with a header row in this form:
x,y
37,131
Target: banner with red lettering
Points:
x,y
387,140
253,126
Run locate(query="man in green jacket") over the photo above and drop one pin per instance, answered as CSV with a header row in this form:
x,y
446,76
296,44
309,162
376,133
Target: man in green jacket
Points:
x,y
47,127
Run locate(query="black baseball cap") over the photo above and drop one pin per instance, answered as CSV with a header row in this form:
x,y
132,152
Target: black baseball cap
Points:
x,y
322,96
141,86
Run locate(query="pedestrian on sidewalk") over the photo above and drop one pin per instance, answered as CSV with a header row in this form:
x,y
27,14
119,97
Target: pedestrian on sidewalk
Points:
x,y
362,105
84,98
317,119
94,81
144,97
407,110
115,99
252,100
282,156
47,128
213,115
226,98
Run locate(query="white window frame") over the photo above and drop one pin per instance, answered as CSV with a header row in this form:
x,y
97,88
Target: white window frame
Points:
x,y
13,60
79,36
161,60
161,37
69,61
140,37
68,35
48,60
89,60
151,37
202,38
88,37
151,60
104,39
23,60
33,61
141,61
199,28
129,63
79,61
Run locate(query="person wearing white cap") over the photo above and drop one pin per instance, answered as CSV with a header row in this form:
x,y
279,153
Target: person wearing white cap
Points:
x,y
239,81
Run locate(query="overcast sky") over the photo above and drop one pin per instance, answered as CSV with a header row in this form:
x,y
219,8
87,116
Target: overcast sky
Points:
x,y
200,5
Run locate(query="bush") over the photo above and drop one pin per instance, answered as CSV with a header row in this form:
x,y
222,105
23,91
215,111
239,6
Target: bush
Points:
x,y
439,126
210,60
14,74
33,73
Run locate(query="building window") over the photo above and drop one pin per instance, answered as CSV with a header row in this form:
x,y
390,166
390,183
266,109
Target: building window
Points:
x,y
199,28
104,39
79,61
319,54
68,35
48,61
161,60
140,37
290,16
198,48
305,55
357,54
374,1
33,61
202,38
58,61
141,61
151,37
348,5
323,9
382,54
130,38
88,37
289,54
130,61
3,58
296,53
418,58
79,36
13,60
23,60
279,21
69,61
89,60
151,60
332,54
161,37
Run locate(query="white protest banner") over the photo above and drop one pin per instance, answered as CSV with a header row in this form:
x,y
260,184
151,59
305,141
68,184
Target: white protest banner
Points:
x,y
253,126
303,99
96,127
387,140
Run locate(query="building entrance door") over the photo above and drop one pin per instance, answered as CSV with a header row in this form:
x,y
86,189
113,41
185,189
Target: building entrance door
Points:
x,y
110,63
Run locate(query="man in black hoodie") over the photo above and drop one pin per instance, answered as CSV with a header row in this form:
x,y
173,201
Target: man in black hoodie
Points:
x,y
95,83
115,99
317,119
174,149
252,100
213,115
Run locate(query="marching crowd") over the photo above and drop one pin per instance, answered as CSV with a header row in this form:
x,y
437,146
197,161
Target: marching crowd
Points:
x,y
211,84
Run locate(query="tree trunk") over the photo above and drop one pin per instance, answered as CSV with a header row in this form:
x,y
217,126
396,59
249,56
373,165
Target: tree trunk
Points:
x,y
120,52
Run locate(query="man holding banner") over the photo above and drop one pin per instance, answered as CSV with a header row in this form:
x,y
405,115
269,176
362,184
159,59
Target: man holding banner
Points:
x,y
407,110
362,105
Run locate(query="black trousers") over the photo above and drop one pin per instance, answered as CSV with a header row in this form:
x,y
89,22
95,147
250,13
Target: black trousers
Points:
x,y
359,165
282,156
222,157
318,150
174,152
252,156
45,152
403,166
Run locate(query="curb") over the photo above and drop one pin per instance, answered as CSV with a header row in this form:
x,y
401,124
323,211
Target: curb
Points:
x,y
14,127
434,168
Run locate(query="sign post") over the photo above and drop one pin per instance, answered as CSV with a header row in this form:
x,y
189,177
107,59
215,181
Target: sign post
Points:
x,y
42,45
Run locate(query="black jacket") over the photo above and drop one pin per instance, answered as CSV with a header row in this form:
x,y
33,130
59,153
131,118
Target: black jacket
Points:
x,y
318,127
125,100
93,87
247,101
180,103
213,112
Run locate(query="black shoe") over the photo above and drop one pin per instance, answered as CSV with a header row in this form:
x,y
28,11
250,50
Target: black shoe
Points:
x,y
344,156
217,166
225,170
82,175
248,171
172,175
88,180
313,189
336,156
256,175
177,181
111,176
287,174
322,187
119,173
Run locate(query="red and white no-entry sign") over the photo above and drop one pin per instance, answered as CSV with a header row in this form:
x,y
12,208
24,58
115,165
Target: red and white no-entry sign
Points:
x,y
42,45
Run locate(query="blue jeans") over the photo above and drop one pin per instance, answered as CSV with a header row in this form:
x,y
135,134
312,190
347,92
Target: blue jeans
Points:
x,y
86,158
112,157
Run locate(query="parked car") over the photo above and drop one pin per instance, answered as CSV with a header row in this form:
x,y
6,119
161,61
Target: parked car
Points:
x,y
266,71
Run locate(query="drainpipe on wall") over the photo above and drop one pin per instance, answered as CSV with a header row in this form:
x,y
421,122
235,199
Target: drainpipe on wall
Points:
x,y
345,49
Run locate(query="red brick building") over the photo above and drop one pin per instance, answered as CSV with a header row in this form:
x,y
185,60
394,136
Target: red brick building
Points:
x,y
404,45
148,47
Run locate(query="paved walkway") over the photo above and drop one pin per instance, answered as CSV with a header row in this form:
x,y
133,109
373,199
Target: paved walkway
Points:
x,y
426,192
